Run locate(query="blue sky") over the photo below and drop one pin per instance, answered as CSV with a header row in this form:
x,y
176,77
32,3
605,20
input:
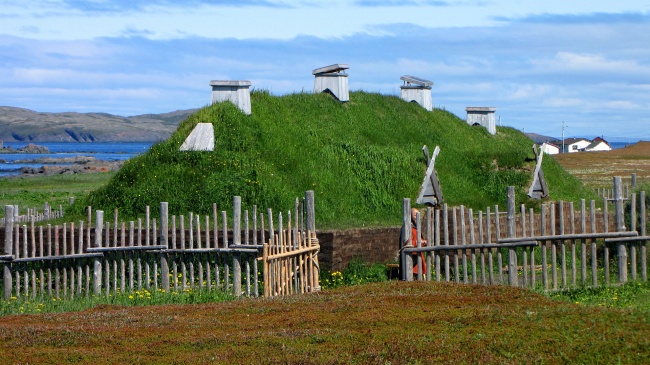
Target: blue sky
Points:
x,y
540,63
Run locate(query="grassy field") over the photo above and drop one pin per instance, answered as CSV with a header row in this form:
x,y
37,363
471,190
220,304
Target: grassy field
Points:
x,y
596,169
34,191
380,323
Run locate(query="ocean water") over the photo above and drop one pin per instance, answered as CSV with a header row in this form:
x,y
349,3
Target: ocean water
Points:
x,y
107,151
615,145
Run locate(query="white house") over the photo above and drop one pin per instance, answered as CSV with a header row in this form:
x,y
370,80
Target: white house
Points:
x,y
575,144
550,148
598,144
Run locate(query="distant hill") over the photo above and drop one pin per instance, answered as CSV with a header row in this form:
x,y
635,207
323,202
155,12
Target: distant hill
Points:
x,y
539,138
17,124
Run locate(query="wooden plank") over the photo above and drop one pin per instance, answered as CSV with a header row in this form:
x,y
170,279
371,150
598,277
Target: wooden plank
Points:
x,y
574,236
511,231
79,265
633,219
405,268
497,233
131,262
488,222
624,239
471,246
642,227
312,249
237,281
418,243
106,279
481,238
436,224
463,236
583,243
199,244
553,248
594,261
122,260
522,210
226,265
174,259
416,80
445,228
562,245
472,240
55,258
572,243
337,67
429,238
531,226
97,266
454,228
621,251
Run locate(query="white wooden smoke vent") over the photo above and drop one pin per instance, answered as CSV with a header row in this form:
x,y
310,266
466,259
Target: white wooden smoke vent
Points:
x,y
333,79
237,92
417,90
483,116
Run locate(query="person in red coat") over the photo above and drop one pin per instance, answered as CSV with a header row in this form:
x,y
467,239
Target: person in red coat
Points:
x,y
423,242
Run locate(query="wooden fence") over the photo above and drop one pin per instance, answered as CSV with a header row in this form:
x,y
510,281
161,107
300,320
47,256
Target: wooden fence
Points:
x,y
608,192
173,253
33,214
585,245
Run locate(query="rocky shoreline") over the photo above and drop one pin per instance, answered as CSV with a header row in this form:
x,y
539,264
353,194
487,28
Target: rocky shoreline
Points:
x,y
68,165
30,148
84,165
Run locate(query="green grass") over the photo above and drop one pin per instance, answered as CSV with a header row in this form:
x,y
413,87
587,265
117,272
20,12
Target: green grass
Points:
x,y
34,191
632,295
361,158
48,304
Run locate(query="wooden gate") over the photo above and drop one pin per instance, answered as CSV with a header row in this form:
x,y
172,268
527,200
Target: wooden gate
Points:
x,y
291,264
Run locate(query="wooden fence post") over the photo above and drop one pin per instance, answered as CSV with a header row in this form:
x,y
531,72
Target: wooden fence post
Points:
x,y
236,236
620,226
632,227
97,268
311,226
512,253
542,231
164,231
406,270
642,224
8,249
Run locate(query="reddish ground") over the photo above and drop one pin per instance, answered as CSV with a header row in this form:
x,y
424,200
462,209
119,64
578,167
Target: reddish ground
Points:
x,y
596,169
387,323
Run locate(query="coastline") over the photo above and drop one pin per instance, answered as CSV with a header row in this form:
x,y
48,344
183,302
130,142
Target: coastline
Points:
x,y
53,158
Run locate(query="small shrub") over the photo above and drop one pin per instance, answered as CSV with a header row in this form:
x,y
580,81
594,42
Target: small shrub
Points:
x,y
356,273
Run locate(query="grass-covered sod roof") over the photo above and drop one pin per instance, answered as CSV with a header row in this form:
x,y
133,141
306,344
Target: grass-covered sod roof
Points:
x,y
361,158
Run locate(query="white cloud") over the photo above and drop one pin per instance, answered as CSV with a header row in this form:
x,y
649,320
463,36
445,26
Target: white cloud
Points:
x,y
528,91
622,104
591,62
564,102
